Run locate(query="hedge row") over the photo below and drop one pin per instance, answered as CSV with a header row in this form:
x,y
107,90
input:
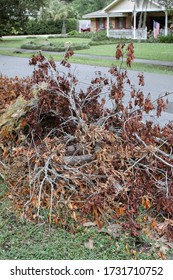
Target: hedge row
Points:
x,y
166,39
60,47
40,27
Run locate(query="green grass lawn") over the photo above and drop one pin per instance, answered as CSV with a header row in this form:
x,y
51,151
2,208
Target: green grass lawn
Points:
x,y
151,51
16,43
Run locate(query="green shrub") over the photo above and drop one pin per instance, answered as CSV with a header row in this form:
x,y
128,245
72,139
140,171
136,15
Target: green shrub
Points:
x,y
71,24
166,39
49,26
43,27
100,35
59,47
53,48
76,34
80,46
73,33
31,46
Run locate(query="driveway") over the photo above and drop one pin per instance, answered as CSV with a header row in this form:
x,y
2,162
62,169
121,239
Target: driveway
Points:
x,y
155,84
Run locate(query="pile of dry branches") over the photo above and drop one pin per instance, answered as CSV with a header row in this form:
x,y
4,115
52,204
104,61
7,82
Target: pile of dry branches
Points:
x,y
66,156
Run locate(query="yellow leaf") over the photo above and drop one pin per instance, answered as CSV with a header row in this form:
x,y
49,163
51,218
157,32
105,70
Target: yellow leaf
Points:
x,y
127,247
134,252
70,206
5,153
120,211
153,223
162,255
146,202
74,216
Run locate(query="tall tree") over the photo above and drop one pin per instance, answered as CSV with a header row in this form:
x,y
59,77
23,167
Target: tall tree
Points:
x,y
143,14
58,10
168,4
15,13
87,6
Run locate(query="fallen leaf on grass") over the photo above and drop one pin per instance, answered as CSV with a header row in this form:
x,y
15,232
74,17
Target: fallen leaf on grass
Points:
x,y
164,225
166,228
89,224
161,255
164,244
113,230
89,244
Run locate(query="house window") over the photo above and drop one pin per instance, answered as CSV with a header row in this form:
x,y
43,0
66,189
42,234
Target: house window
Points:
x,y
120,23
101,23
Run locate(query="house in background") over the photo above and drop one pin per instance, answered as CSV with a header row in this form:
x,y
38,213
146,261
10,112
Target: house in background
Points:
x,y
121,18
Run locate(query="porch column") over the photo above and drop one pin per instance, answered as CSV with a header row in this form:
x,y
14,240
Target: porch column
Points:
x,y
166,23
134,25
108,25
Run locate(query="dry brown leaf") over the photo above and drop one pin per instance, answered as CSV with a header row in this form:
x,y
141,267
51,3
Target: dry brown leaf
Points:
x,y
120,211
154,223
161,255
89,244
89,224
113,230
74,216
165,224
146,202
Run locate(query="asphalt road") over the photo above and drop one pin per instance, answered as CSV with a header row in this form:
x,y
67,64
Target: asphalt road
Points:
x,y
155,84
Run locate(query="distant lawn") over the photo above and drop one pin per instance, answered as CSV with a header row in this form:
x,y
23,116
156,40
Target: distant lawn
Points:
x,y
17,42
151,51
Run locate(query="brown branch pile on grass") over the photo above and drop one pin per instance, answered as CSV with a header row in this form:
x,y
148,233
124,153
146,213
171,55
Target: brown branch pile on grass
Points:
x,y
65,155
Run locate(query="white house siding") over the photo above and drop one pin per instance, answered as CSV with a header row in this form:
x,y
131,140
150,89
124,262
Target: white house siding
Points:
x,y
121,6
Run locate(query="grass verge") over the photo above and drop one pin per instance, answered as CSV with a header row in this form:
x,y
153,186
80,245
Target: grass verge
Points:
x,y
21,240
97,62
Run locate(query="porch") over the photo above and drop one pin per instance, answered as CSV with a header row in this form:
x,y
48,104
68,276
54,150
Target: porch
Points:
x,y
128,33
130,22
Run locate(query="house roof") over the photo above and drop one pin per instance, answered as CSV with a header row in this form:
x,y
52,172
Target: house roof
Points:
x,y
97,14
119,7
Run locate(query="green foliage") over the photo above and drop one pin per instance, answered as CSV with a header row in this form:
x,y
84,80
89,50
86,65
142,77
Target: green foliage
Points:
x,y
43,27
73,33
77,34
57,47
167,3
15,14
166,39
87,6
71,24
99,36
49,26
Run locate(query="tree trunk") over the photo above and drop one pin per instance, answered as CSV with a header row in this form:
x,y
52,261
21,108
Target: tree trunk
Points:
x,y
63,31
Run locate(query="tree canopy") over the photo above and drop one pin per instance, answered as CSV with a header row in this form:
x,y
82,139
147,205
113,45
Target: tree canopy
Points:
x,y
87,6
14,13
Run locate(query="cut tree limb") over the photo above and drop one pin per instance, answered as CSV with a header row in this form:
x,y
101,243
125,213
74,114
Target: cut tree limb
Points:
x,y
72,160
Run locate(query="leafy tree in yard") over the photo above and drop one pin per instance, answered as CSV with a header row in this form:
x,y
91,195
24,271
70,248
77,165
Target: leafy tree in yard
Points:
x,y
58,10
166,3
87,6
15,13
